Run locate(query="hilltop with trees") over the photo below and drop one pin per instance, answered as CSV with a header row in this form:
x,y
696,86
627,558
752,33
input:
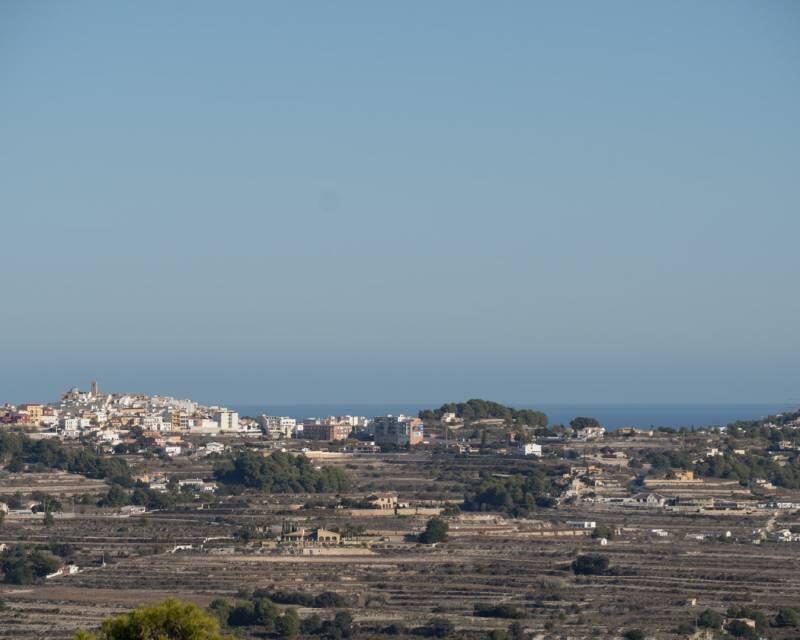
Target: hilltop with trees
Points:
x,y
476,409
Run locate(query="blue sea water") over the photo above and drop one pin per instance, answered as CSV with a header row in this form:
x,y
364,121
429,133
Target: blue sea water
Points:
x,y
612,416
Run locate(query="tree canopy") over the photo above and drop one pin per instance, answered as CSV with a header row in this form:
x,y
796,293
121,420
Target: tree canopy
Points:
x,y
22,564
167,620
18,450
435,531
280,473
517,493
476,409
582,422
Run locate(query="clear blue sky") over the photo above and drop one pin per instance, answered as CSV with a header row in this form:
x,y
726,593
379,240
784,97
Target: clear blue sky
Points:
x,y
412,201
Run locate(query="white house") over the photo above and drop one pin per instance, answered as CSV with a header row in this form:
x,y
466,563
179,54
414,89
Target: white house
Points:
x,y
582,524
648,500
530,449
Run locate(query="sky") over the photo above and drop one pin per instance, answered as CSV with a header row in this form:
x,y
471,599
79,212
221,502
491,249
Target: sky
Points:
x,y
255,202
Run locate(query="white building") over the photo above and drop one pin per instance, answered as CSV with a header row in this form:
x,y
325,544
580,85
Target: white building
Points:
x,y
582,524
590,433
278,427
71,427
204,426
151,422
530,449
228,421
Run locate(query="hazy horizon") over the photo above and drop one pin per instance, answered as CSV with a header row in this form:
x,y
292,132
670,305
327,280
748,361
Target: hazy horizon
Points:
x,y
584,203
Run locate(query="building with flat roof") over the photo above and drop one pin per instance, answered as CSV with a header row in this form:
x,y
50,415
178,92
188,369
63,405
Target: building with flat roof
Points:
x,y
401,431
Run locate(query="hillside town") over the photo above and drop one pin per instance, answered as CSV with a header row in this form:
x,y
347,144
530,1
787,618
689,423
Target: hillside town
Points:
x,y
162,422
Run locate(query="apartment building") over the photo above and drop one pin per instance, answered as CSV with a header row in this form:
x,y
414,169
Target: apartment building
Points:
x,y
400,431
326,431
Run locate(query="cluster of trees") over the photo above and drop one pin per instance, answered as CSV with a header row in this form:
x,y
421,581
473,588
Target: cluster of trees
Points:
x,y
710,619
759,428
22,564
727,465
504,610
663,461
477,409
583,422
18,452
118,496
324,600
517,493
338,627
261,612
590,564
750,467
280,473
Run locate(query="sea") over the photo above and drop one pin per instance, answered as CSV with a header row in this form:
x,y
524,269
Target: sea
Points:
x,y
611,416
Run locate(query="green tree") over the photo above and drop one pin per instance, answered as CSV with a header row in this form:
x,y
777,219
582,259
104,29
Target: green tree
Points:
x,y
116,497
167,620
786,617
740,629
710,619
435,531
603,531
221,610
48,520
288,625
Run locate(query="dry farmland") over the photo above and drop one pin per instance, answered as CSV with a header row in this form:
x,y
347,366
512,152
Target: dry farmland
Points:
x,y
657,580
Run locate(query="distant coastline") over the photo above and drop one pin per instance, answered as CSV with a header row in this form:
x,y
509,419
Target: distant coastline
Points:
x,y
612,416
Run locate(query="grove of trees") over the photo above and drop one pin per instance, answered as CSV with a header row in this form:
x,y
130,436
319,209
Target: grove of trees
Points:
x,y
517,493
22,564
18,451
280,473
